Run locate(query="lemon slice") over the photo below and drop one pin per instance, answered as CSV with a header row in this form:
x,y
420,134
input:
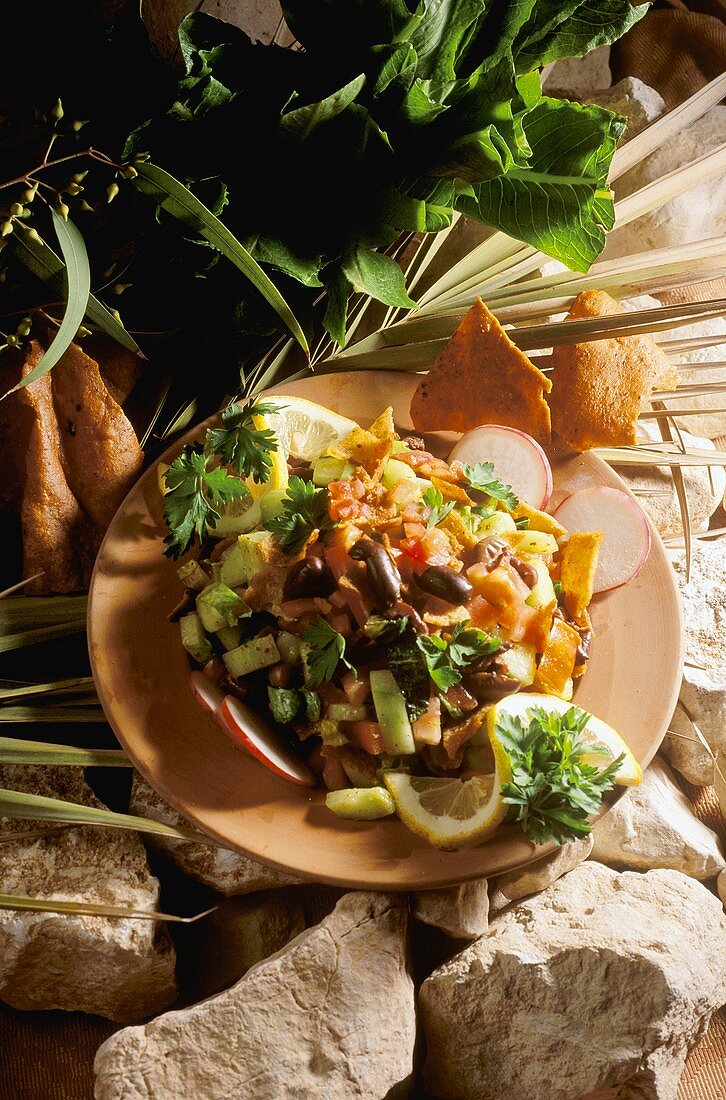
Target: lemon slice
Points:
x,y
605,744
449,813
303,429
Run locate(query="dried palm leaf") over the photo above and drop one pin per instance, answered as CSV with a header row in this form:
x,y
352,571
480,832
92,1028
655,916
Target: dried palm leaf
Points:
x,y
91,909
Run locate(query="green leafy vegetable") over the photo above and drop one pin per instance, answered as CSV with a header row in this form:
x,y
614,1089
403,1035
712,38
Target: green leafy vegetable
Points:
x,y
304,510
410,671
552,791
383,630
446,660
440,509
287,704
481,477
195,490
326,651
240,445
312,705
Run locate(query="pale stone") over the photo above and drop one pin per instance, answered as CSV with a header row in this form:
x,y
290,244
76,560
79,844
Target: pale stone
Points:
x,y
721,886
630,97
654,488
218,950
703,691
596,988
537,876
653,825
121,968
709,424
258,18
226,871
461,911
573,77
330,1016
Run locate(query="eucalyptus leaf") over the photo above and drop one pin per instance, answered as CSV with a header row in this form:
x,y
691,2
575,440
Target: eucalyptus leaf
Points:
x,y
179,201
15,751
78,278
21,903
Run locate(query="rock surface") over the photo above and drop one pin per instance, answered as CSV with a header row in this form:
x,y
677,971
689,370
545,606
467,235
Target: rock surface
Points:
x,y
596,988
538,876
653,485
704,677
576,76
226,871
653,825
330,1016
115,967
639,103
710,424
461,911
721,886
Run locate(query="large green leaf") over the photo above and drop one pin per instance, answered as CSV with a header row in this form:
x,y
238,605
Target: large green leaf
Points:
x,y
40,258
179,201
301,121
78,289
347,25
572,28
561,204
377,275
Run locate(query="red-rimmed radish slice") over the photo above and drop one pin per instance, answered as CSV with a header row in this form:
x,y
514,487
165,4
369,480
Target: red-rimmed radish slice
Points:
x,y
214,670
518,460
627,532
252,733
206,693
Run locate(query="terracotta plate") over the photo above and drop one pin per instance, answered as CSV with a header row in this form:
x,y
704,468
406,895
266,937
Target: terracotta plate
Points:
x,y
142,676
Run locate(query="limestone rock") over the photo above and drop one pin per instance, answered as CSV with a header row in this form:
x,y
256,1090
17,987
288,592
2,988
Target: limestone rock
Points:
x,y
226,871
537,876
704,677
596,988
218,950
710,424
721,886
574,77
461,911
115,967
653,485
653,825
639,103
330,1016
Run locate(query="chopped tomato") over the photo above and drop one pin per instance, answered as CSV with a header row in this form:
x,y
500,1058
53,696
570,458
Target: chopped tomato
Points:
x,y
334,777
365,734
411,514
414,459
346,500
414,530
431,548
404,491
481,613
339,560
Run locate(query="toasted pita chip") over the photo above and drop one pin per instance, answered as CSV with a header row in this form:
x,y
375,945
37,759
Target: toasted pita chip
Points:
x,y
539,521
362,448
577,569
481,377
383,427
558,660
120,368
16,421
599,387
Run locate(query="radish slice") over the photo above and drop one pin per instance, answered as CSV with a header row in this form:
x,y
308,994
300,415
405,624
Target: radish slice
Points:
x,y
518,460
250,732
627,532
206,693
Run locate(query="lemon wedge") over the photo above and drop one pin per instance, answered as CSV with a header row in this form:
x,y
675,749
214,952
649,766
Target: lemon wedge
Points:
x,y
450,813
303,429
604,742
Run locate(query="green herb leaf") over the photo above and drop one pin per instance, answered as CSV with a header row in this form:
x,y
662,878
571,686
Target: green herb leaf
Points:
x,y
284,703
481,477
434,498
446,661
304,510
410,671
240,445
552,791
326,651
383,630
194,492
78,276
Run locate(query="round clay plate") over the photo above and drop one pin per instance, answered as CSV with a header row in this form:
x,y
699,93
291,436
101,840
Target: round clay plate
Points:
x,y
142,676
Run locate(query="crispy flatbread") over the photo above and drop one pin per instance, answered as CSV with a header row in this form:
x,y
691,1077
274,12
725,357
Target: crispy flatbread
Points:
x,y
577,573
599,387
481,377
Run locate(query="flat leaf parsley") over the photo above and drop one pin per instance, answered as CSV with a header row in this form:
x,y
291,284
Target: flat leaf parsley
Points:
x,y
326,651
304,510
481,477
247,449
440,509
553,790
194,492
446,660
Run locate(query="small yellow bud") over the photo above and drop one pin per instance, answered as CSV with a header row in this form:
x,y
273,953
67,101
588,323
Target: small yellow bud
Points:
x,y
63,211
6,229
57,111
86,207
139,158
12,341
111,192
74,188
33,234
24,327
115,313
16,210
83,331
3,276
119,288
129,172
30,194
78,124
78,177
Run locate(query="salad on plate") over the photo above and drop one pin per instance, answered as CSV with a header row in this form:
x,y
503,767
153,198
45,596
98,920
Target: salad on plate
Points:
x,y
404,630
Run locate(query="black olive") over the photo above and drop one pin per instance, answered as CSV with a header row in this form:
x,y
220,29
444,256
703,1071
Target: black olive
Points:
x,y
527,572
309,577
383,576
446,584
490,551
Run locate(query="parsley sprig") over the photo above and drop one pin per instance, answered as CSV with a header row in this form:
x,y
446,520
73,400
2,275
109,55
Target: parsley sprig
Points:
x,y
326,651
446,660
553,790
304,510
194,493
481,477
247,449
440,509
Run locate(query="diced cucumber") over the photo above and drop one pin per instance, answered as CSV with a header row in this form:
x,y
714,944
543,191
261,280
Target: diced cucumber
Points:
x,y
248,657
285,704
534,542
395,471
312,704
192,575
399,446
271,504
243,560
391,713
501,523
346,712
230,636
327,469
218,606
331,734
239,515
520,662
194,638
360,768
361,803
289,646
543,592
